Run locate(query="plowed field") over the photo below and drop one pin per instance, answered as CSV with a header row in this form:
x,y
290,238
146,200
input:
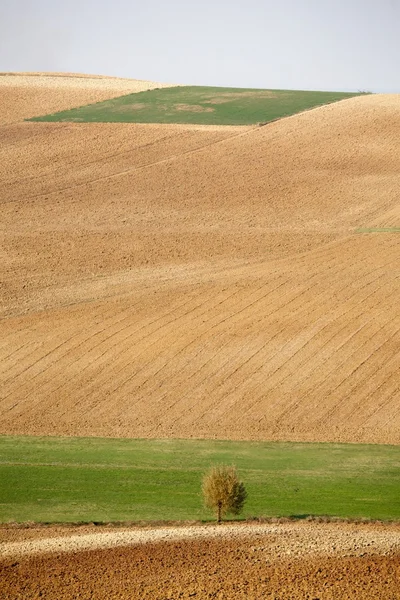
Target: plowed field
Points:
x,y
184,281
281,562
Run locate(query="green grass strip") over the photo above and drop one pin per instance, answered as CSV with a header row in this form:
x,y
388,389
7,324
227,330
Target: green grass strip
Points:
x,y
96,479
199,105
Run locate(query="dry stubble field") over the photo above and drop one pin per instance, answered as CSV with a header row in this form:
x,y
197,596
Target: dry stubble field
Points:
x,y
201,282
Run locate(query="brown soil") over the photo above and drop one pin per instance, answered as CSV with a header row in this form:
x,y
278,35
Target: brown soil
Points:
x,y
280,564
182,281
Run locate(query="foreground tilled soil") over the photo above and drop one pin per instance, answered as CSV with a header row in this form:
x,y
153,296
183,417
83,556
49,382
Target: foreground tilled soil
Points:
x,y
165,281
283,562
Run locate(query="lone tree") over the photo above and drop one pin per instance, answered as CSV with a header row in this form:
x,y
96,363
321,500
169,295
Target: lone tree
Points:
x,y
223,492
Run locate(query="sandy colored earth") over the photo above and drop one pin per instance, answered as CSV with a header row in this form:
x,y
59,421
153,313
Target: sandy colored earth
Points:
x,y
25,95
187,281
287,561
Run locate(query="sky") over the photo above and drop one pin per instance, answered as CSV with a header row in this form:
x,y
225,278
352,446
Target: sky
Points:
x,y
343,45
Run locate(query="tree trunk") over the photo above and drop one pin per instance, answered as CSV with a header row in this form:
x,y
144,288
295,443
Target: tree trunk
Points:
x,y
219,512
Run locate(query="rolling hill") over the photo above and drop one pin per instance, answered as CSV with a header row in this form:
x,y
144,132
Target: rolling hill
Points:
x,y
26,95
201,281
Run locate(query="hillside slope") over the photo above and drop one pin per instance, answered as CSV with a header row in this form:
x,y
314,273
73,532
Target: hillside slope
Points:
x,y
25,95
203,282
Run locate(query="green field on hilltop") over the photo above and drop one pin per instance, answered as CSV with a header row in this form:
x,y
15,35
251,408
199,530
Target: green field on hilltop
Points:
x,y
97,479
199,105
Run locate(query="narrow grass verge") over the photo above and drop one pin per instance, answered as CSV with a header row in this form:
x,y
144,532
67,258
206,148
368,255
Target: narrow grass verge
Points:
x,y
378,230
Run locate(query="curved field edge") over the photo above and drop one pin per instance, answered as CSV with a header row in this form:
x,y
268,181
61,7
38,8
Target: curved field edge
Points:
x,y
105,480
200,105
372,538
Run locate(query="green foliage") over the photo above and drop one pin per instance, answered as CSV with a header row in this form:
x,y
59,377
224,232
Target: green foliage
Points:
x,y
199,105
223,492
100,479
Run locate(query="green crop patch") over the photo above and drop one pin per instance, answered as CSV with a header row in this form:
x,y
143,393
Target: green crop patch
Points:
x,y
199,105
96,479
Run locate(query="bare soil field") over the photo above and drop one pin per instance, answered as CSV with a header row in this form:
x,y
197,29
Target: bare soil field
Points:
x,y
25,95
188,281
287,561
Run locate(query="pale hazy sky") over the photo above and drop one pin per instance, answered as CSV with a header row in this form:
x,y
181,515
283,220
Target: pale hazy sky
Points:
x,y
287,44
